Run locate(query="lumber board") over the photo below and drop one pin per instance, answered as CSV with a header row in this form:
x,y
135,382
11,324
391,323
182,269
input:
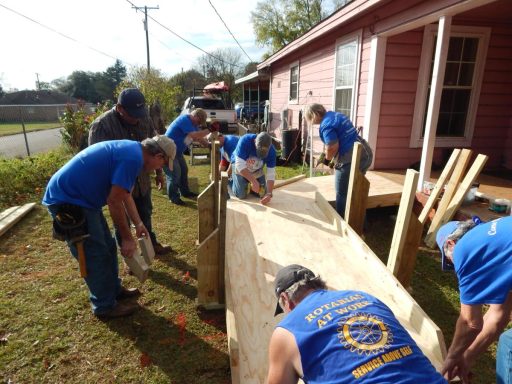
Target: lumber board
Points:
x,y
207,212
223,196
12,215
434,194
357,196
402,254
451,188
302,227
208,270
457,199
214,163
282,183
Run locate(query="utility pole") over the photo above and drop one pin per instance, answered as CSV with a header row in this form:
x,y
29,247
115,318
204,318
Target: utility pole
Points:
x,y
38,84
146,28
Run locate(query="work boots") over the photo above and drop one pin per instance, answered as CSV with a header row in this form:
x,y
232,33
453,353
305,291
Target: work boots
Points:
x,y
120,310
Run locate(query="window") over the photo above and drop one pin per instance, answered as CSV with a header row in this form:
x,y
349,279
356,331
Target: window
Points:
x,y
294,83
347,60
461,87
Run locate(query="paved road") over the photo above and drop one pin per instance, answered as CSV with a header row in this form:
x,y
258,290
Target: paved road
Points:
x,y
39,141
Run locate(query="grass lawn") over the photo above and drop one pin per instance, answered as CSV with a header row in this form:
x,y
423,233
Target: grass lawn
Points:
x,y
48,333
14,128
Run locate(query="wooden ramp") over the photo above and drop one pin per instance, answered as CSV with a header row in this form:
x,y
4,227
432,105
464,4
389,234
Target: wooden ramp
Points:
x,y
301,227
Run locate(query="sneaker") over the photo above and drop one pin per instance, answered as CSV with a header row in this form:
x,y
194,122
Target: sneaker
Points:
x,y
120,310
128,293
190,195
162,250
178,202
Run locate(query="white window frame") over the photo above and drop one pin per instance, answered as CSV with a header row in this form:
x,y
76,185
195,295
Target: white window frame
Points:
x,y
293,65
482,33
357,37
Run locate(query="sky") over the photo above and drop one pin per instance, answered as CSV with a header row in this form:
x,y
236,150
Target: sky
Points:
x,y
69,35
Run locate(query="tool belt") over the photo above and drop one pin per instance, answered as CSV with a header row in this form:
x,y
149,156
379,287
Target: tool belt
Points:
x,y
69,223
346,158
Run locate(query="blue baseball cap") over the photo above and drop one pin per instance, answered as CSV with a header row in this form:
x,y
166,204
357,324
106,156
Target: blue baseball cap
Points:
x,y
442,234
133,101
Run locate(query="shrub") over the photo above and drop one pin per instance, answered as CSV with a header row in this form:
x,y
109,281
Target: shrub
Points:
x,y
76,124
24,180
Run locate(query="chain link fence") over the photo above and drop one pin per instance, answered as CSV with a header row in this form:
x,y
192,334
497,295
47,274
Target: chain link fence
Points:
x,y
29,129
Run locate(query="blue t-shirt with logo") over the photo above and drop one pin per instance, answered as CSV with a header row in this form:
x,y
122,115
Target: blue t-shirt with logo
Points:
x,y
178,131
246,150
87,178
483,263
352,337
336,127
227,149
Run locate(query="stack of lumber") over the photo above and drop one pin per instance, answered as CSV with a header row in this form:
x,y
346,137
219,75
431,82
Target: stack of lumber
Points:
x,y
12,215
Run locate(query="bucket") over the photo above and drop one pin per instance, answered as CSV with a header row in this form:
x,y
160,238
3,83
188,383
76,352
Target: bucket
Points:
x,y
289,144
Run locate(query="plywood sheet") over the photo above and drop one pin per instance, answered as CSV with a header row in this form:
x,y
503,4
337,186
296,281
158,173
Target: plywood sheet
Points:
x,y
294,229
384,191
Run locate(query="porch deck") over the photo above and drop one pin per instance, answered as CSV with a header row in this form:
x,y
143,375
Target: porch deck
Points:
x,y
386,189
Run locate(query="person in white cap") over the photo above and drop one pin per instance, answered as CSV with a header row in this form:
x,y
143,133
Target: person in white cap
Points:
x,y
481,255
104,174
339,337
251,154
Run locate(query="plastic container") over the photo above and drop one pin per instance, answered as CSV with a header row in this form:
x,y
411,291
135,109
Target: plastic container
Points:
x,y
471,195
499,205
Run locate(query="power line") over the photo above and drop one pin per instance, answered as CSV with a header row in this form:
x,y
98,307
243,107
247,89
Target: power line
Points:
x,y
188,42
234,38
60,33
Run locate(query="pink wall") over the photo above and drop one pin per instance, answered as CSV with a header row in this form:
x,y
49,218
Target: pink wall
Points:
x,y
493,120
493,124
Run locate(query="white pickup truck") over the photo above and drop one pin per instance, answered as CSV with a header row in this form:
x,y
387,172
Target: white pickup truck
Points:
x,y
215,110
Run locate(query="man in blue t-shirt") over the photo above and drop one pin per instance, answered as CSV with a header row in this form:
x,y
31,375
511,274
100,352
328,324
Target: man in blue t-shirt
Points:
x,y
251,154
338,135
481,255
340,337
184,130
104,174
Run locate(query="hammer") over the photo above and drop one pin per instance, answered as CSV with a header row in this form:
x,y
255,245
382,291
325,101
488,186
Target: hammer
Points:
x,y
78,241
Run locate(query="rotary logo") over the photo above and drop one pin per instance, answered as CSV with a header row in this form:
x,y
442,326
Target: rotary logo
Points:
x,y
364,333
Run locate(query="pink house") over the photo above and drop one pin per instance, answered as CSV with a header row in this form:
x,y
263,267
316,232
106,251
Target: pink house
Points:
x,y
419,76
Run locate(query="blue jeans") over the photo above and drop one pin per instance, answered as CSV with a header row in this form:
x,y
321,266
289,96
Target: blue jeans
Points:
x,y
342,176
504,359
145,210
177,179
240,184
101,260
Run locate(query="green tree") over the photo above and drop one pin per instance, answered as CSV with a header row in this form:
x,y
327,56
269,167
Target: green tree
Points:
x,y
187,81
277,23
155,87
2,92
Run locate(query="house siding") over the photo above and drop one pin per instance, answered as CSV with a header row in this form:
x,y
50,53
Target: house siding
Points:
x,y
492,133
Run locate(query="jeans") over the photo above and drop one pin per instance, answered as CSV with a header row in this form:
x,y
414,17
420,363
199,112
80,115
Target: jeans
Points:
x,y
101,261
342,176
177,179
145,210
504,359
240,183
